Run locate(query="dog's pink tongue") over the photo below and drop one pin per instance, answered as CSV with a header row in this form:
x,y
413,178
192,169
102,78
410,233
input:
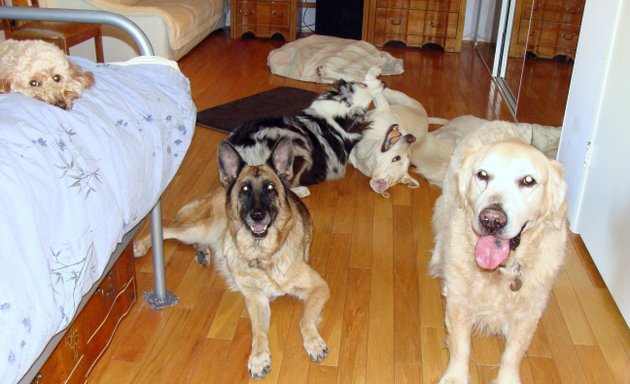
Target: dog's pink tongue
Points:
x,y
490,251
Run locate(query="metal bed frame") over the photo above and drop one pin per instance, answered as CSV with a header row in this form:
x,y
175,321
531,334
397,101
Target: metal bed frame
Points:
x,y
160,297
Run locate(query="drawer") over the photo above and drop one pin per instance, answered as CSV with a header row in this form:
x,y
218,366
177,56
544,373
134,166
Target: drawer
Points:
x,y
559,35
443,5
404,4
533,33
263,13
423,5
391,21
536,12
569,12
440,24
94,326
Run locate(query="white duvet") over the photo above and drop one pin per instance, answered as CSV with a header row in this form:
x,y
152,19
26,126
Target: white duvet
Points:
x,y
72,183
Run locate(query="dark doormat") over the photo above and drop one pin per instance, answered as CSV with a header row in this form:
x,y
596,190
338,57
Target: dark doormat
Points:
x,y
281,101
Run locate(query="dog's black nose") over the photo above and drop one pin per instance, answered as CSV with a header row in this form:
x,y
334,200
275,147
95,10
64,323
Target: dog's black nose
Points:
x,y
493,218
257,215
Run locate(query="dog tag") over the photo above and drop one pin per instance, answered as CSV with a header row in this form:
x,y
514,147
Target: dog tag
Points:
x,y
516,284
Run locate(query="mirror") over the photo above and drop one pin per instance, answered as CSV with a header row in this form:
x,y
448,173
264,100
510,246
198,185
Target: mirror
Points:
x,y
492,43
486,34
529,47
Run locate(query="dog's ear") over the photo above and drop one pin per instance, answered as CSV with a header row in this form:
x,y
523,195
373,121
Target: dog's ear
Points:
x,y
340,83
556,190
281,159
230,163
86,79
410,181
5,85
464,174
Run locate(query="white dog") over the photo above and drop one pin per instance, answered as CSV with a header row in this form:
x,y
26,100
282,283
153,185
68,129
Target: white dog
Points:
x,y
399,124
500,233
42,71
430,158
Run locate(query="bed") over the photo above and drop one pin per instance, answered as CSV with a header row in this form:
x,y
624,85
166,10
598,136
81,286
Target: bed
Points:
x,y
173,27
75,187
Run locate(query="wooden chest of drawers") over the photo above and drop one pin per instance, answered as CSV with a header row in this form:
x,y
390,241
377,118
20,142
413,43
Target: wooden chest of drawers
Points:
x,y
91,331
554,29
263,18
415,22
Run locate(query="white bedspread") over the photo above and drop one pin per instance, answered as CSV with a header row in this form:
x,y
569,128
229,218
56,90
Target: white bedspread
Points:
x,y
324,59
71,184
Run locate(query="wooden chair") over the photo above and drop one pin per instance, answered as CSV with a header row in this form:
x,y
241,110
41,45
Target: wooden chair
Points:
x,y
64,35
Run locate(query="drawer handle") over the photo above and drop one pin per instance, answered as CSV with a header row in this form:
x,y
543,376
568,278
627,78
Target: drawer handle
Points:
x,y
395,22
246,13
434,25
573,11
276,14
568,36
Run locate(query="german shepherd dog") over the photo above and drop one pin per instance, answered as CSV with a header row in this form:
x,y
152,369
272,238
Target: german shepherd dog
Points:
x,y
260,234
322,135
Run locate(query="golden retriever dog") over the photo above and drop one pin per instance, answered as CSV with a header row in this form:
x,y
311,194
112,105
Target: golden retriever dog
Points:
x,y
431,156
260,234
398,125
42,71
500,233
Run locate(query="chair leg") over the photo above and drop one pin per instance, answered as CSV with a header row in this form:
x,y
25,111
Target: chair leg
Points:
x,y
98,43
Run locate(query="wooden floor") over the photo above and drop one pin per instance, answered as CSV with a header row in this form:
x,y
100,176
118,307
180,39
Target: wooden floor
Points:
x,y
384,321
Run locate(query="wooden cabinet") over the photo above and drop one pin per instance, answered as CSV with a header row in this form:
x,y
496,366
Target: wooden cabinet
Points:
x,y
264,18
415,22
554,29
91,331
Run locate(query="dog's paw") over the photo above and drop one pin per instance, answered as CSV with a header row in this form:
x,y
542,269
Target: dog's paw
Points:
x,y
449,378
203,257
316,348
259,365
452,380
507,378
139,249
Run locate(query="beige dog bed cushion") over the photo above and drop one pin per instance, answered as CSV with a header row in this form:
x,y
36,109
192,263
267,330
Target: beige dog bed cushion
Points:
x,y
324,59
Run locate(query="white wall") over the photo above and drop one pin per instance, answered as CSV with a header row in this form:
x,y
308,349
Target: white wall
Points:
x,y
597,115
470,20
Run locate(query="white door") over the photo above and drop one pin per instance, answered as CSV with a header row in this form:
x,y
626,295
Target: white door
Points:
x,y
598,118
